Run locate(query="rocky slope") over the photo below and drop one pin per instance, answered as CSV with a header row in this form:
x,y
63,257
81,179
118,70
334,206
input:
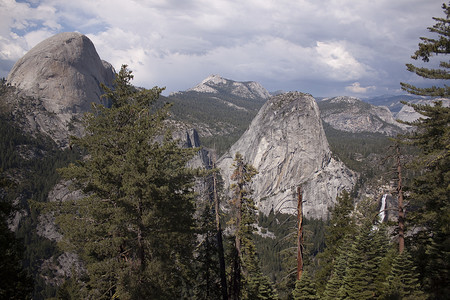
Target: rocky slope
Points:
x,y
408,114
287,145
353,115
220,108
216,84
56,81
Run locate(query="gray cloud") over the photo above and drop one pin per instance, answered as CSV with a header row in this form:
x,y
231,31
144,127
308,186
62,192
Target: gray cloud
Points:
x,y
321,47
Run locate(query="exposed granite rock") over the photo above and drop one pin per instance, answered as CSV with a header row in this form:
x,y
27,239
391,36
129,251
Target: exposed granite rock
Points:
x,y
56,269
64,71
56,81
46,226
216,84
353,115
408,114
287,145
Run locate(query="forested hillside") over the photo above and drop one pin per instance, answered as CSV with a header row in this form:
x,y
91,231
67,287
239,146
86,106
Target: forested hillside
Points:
x,y
137,218
220,120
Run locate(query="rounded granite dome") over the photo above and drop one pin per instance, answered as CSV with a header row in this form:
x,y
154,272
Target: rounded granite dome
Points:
x,y
64,71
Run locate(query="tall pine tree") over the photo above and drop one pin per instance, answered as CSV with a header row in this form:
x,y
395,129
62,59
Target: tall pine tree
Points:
x,y
248,281
430,191
133,229
341,226
403,282
305,288
361,280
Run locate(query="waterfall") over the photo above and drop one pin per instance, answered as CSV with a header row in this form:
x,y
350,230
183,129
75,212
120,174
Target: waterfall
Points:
x,y
382,213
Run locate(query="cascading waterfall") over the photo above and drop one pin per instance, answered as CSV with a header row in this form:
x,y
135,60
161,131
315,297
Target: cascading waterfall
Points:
x,y
382,213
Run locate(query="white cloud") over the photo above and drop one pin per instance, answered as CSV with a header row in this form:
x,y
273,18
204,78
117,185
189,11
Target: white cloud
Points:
x,y
343,66
178,43
358,89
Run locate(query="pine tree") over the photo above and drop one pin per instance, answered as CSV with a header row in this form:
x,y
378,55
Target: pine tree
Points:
x,y
403,282
430,195
427,49
134,227
249,282
338,272
219,234
305,288
15,283
361,280
206,273
341,225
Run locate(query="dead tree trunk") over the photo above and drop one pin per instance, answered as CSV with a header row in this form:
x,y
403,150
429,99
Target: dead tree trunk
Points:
x,y
401,210
299,234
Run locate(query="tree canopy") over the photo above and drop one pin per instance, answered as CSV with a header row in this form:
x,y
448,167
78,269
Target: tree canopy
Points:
x,y
134,226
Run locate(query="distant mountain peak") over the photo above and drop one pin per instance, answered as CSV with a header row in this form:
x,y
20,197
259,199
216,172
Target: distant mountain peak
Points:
x,y
217,84
343,99
214,79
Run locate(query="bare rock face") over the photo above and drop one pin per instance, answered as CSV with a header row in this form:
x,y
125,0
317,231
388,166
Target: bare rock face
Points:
x,y
287,145
216,84
65,71
353,115
59,77
408,114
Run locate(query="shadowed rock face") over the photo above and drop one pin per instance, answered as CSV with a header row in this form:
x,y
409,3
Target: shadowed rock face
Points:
x,y
64,71
287,145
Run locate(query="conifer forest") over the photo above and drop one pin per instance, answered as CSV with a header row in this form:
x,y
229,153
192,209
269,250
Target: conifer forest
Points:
x,y
140,227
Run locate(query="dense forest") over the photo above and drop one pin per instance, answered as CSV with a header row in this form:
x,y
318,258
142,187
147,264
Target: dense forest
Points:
x,y
140,231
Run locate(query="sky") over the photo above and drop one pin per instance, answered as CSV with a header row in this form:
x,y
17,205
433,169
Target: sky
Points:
x,y
322,47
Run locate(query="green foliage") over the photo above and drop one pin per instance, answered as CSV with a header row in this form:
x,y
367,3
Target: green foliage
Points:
x,y
15,283
226,123
32,162
277,249
134,227
362,152
248,281
305,288
361,280
428,48
430,191
341,227
338,272
206,271
403,280
430,195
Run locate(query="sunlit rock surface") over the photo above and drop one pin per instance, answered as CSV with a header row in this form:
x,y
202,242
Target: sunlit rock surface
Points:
x,y
287,145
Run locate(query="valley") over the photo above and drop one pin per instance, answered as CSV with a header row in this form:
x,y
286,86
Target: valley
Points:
x,y
335,149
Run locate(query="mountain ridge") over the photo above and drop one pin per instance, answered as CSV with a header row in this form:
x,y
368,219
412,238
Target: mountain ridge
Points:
x,y
246,89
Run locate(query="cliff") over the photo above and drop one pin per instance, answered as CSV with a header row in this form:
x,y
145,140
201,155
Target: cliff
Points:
x,y
287,145
56,81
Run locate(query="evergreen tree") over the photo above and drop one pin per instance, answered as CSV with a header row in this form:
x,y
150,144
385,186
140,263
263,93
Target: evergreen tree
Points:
x,y
430,195
428,48
134,227
361,280
341,226
206,273
305,288
403,282
338,273
248,281
15,283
